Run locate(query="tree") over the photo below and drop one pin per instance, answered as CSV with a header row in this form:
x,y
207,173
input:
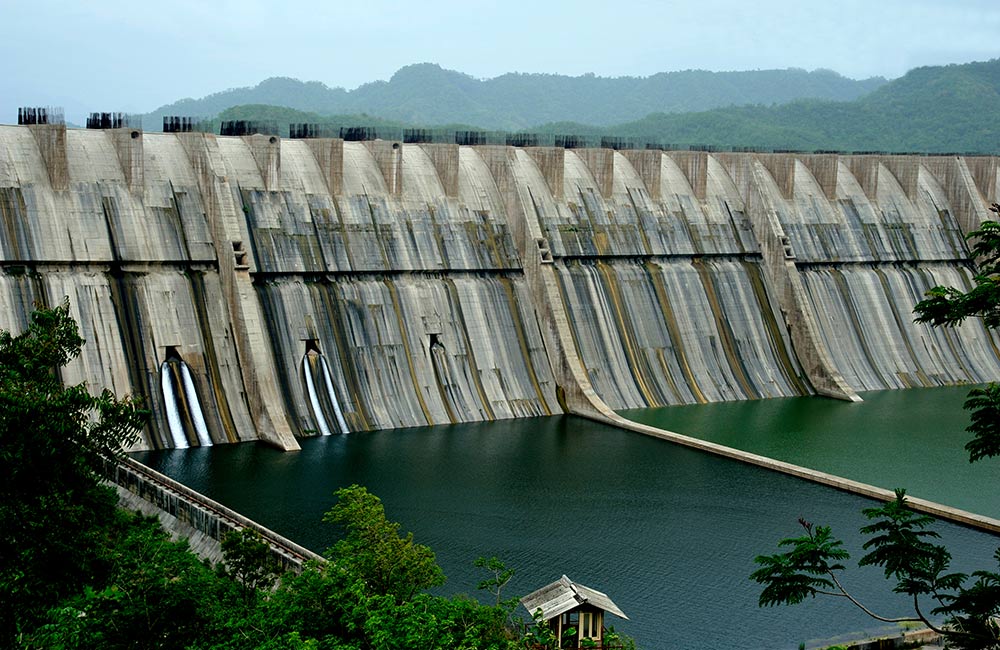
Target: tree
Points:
x,y
373,551
248,561
899,540
54,443
501,575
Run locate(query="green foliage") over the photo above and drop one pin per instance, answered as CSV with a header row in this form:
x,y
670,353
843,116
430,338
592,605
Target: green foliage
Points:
x,y
974,610
984,403
802,572
373,551
249,561
155,594
501,575
615,639
54,442
540,635
898,543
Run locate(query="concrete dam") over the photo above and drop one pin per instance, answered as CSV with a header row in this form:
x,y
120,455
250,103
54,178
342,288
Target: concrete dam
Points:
x,y
260,288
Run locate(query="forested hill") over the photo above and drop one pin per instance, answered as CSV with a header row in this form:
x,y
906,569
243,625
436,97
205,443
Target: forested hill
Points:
x,y
953,108
428,94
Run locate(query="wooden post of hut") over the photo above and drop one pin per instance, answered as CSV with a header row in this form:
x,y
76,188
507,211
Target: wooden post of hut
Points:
x,y
565,604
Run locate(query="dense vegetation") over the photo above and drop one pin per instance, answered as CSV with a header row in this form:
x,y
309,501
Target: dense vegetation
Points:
x,y
427,94
78,573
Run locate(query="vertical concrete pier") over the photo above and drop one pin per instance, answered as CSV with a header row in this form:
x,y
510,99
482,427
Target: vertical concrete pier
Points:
x,y
601,163
574,391
228,228
782,170
551,162
694,165
445,159
824,168
985,172
388,156
648,164
266,150
906,169
128,146
329,154
967,205
782,276
51,140
865,171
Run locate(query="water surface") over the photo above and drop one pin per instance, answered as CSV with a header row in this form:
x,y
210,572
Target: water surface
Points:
x,y
912,439
668,532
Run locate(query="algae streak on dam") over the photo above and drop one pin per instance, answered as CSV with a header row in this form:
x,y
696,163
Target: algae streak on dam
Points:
x,y
263,288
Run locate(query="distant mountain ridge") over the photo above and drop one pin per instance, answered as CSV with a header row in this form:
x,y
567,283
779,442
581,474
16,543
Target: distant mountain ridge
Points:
x,y
427,94
935,109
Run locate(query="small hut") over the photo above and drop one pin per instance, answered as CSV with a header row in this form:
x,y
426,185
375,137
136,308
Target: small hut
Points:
x,y
566,604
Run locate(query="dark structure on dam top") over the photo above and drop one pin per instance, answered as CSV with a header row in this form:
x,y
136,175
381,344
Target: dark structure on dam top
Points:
x,y
255,287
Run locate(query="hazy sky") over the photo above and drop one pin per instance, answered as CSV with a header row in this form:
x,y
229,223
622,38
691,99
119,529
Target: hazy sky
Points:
x,y
106,55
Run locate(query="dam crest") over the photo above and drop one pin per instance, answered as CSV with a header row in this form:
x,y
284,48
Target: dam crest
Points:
x,y
260,288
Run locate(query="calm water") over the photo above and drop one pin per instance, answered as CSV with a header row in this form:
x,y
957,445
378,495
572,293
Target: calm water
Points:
x,y
667,532
913,439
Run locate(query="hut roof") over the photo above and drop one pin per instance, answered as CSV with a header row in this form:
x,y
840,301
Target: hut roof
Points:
x,y
564,595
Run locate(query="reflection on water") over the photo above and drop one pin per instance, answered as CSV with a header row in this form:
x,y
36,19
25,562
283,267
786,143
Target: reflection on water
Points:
x,y
896,438
667,532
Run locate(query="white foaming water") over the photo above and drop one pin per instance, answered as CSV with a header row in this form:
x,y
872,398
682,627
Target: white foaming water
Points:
x,y
200,428
333,396
313,398
170,402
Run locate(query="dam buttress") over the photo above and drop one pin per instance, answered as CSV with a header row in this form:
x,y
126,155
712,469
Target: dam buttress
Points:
x,y
260,288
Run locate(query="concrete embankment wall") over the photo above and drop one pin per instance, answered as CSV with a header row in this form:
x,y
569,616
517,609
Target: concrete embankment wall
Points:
x,y
314,286
190,515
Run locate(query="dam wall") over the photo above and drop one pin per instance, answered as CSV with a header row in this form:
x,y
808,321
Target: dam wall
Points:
x,y
865,237
259,288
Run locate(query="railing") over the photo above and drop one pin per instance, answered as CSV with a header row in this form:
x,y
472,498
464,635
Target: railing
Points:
x,y
199,512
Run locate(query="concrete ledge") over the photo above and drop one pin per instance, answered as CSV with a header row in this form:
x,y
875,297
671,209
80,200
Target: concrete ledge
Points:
x,y
925,638
186,513
856,487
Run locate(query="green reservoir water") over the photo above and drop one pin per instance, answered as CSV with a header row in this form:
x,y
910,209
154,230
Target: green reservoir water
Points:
x,y
914,439
669,533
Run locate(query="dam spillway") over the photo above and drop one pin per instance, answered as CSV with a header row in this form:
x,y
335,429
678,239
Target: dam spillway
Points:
x,y
317,285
